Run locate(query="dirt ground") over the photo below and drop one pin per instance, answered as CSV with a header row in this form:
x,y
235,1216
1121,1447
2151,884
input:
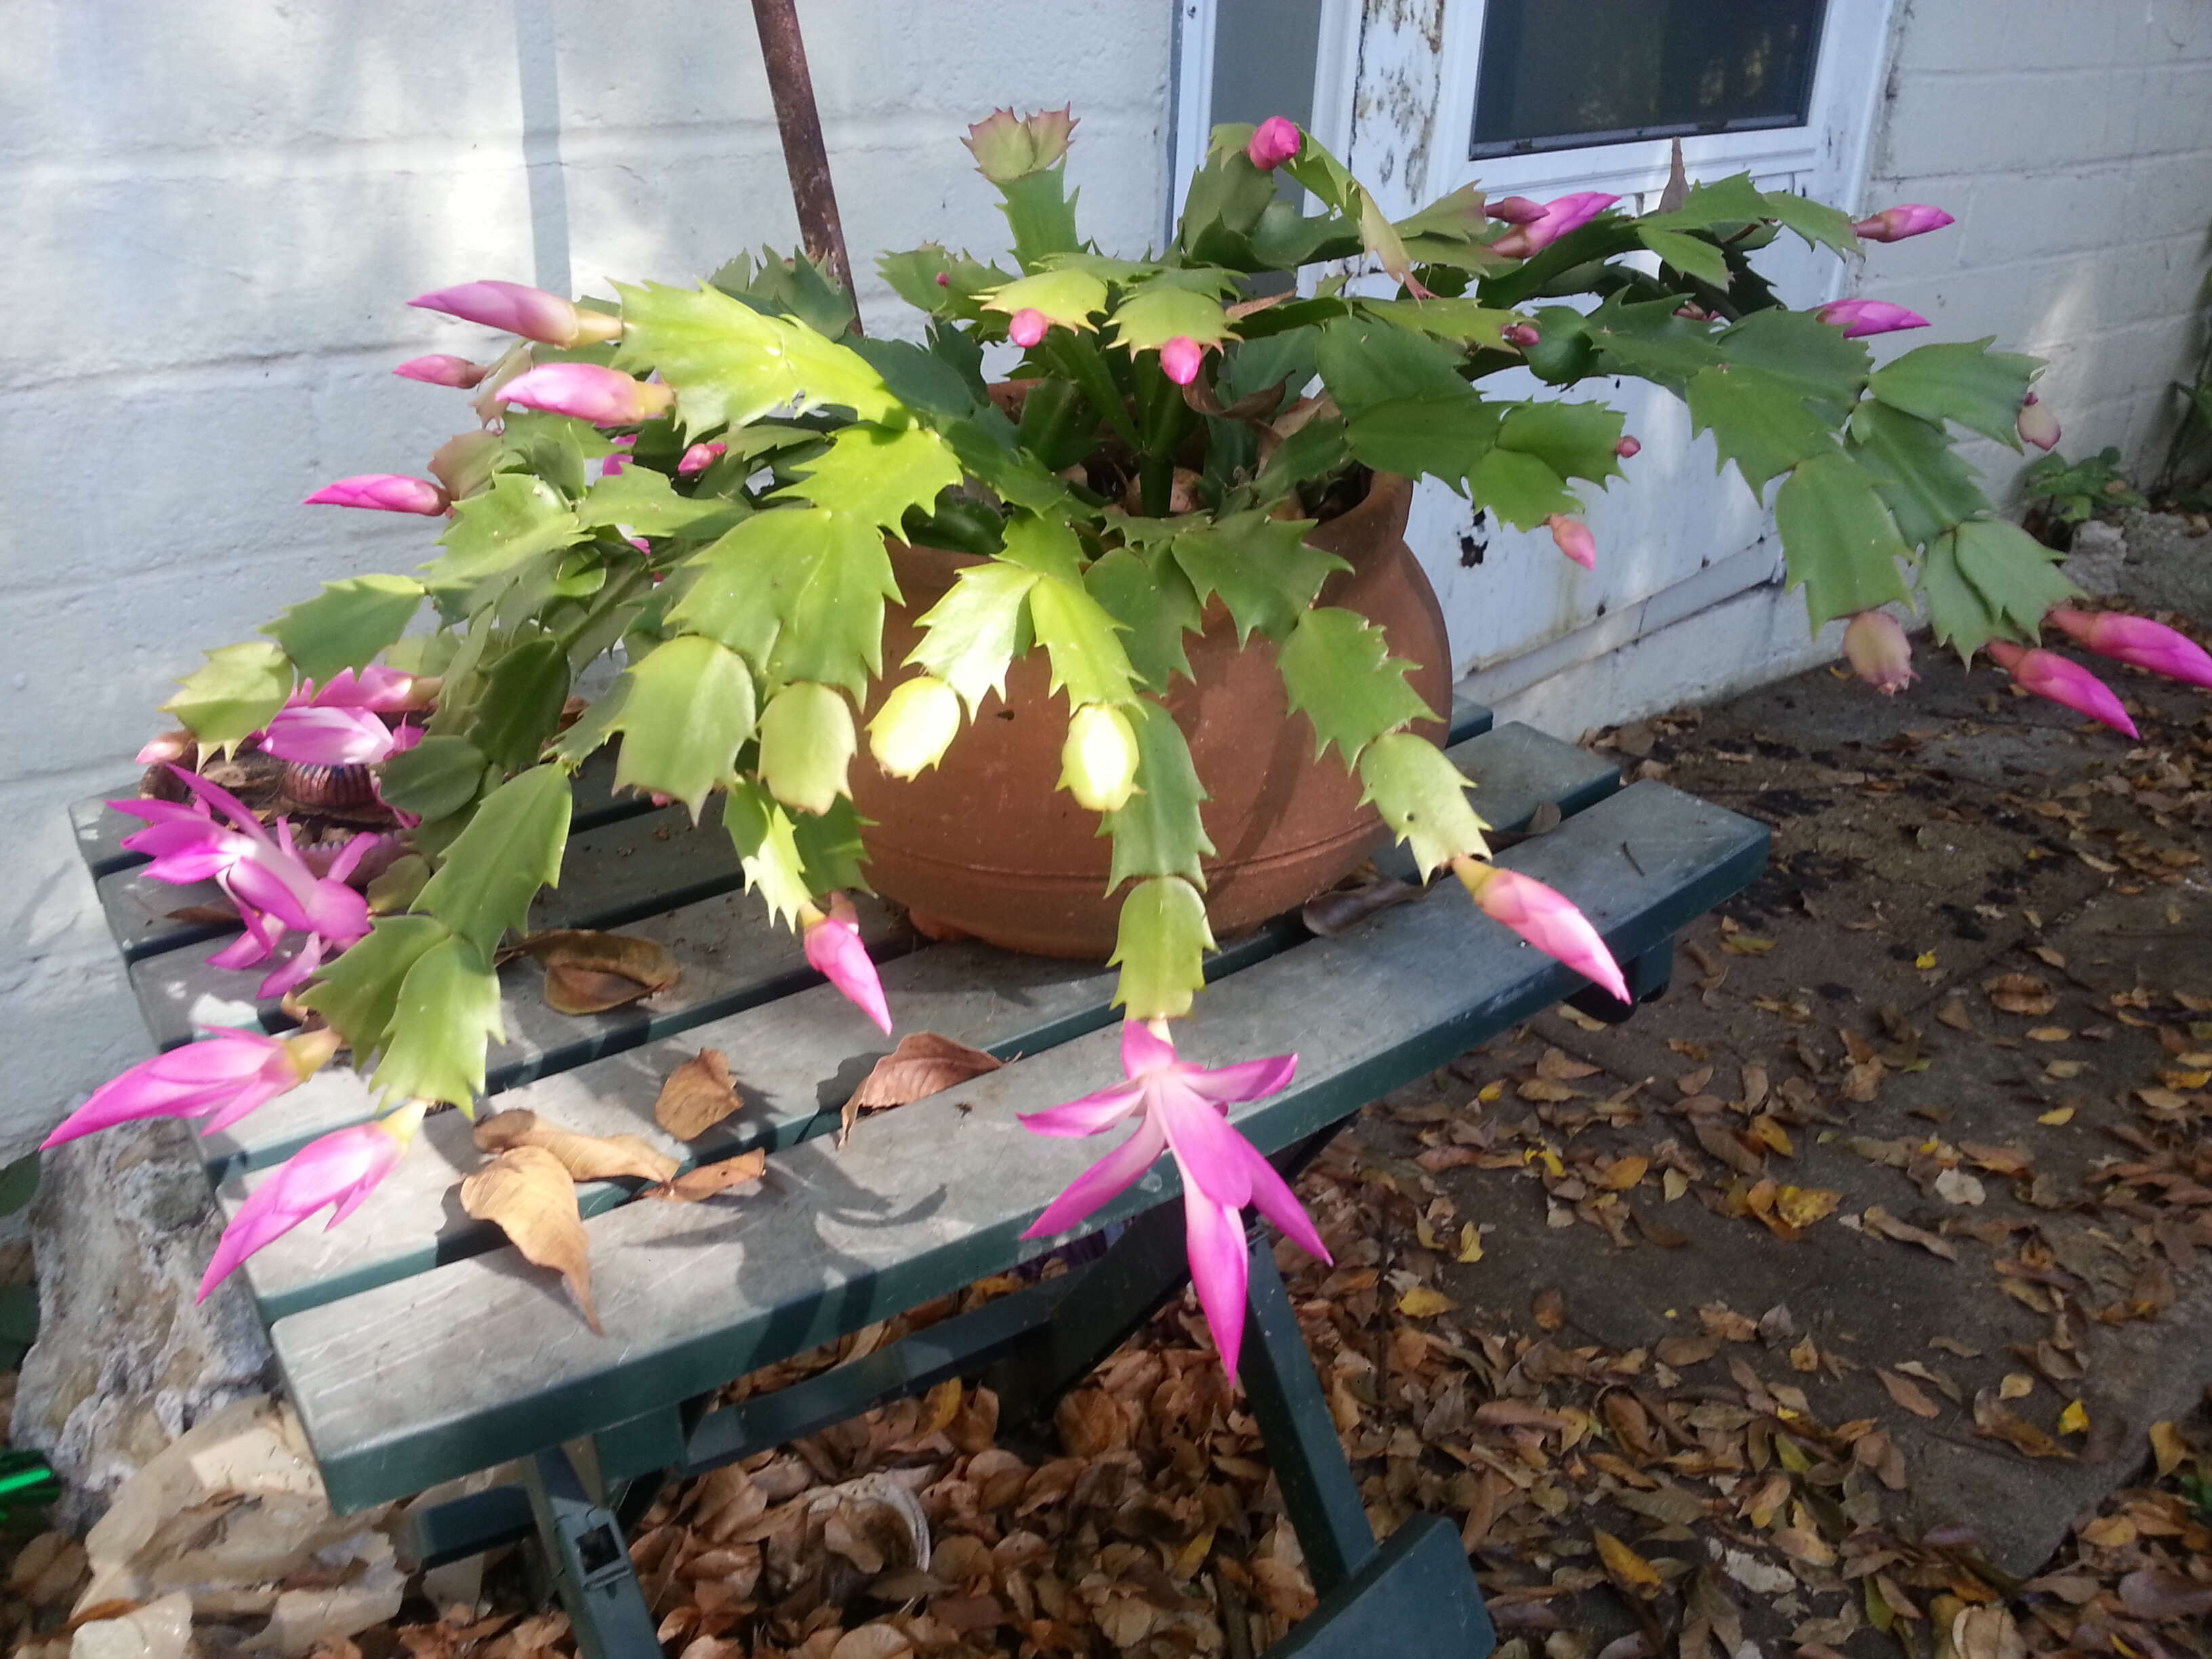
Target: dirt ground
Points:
x,y
1854,1297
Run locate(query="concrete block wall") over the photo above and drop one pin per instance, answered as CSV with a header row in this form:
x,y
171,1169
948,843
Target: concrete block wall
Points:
x,y
216,213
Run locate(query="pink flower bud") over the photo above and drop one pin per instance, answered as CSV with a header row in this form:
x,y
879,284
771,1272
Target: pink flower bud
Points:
x,y
1628,449
1573,539
1027,327
587,391
443,368
1516,211
1547,919
1520,335
699,458
2037,425
2138,641
530,311
1552,221
943,280
835,950
1273,142
387,492
170,747
1895,224
341,1168
2047,674
1180,359
221,1077
1859,317
1875,646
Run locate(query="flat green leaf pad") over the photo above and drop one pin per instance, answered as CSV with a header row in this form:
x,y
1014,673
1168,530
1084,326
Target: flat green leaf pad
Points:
x,y
495,867
689,707
1838,538
347,623
1161,949
1422,796
447,1012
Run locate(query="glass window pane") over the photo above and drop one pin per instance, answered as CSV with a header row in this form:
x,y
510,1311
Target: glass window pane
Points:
x,y
1560,74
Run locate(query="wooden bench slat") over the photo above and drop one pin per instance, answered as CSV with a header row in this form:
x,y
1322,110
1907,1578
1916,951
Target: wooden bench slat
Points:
x,y
797,1059
483,1359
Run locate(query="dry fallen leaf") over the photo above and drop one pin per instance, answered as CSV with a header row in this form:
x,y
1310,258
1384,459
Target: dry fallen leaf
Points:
x,y
2168,1447
696,1096
586,1158
589,972
923,1064
1421,1302
1626,1567
528,1194
1880,1221
1551,1309
2021,994
709,1179
1908,1394
1994,1422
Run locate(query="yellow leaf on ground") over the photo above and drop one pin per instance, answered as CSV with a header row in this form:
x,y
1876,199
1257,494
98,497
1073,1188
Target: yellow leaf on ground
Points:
x,y
1423,1302
2056,1116
2075,1419
1470,1242
1626,1568
2017,1385
2168,1447
1925,959
2048,1034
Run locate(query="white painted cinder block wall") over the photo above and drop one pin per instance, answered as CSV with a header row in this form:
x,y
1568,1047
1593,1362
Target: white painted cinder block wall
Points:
x,y
216,211
2073,140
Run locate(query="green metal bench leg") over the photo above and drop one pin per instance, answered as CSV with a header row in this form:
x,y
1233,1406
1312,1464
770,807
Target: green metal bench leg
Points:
x,y
1648,977
590,1563
1319,1493
1414,1595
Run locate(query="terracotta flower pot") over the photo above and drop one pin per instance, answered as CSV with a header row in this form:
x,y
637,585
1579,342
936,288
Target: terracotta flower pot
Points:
x,y
985,845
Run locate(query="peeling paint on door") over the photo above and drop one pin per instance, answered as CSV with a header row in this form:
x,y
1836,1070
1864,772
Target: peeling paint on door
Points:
x,y
1395,91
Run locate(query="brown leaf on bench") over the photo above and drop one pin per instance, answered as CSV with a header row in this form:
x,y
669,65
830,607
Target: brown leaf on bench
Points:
x,y
923,1064
589,973
696,1096
526,1194
710,1179
586,1158
1344,907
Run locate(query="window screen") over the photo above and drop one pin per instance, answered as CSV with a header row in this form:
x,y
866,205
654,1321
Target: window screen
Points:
x,y
1562,73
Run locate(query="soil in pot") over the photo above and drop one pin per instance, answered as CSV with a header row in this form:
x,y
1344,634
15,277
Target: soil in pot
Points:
x,y
985,845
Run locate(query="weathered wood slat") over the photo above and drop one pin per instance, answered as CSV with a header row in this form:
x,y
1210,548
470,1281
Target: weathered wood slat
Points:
x,y
797,1059
734,956
450,1371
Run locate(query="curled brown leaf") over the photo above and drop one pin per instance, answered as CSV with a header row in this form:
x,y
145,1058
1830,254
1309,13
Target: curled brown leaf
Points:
x,y
696,1096
526,1194
586,1158
923,1064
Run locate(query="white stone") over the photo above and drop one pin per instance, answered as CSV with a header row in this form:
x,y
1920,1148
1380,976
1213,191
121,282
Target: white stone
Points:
x,y
160,1630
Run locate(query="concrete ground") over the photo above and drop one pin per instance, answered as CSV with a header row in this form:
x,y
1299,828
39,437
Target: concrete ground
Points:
x,y
1919,1133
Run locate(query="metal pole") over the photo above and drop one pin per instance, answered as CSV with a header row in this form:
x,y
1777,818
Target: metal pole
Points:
x,y
803,156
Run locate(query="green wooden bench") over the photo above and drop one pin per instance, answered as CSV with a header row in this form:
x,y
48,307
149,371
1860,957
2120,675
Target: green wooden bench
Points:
x,y
417,1348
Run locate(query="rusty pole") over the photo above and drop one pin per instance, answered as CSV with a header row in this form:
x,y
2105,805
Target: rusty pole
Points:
x,y
800,124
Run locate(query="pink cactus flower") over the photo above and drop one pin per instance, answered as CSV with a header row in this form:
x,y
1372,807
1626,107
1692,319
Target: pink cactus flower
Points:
x,y
586,392
1027,327
1628,449
1554,220
1181,359
1547,919
1860,318
340,1168
1516,211
1520,335
1273,142
2037,425
1875,646
518,309
1572,538
698,458
275,891
1182,1109
2138,641
443,368
385,690
221,1077
1895,224
387,492
335,736
2047,674
833,950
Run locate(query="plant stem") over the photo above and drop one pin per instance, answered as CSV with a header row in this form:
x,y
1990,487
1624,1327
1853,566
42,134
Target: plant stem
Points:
x,y
1081,362
614,593
804,155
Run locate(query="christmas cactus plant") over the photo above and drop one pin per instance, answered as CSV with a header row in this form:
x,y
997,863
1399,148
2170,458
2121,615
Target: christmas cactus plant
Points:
x,y
697,484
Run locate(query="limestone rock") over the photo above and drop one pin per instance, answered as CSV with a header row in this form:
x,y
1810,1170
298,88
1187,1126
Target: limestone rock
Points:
x,y
126,1363
160,1630
2097,563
